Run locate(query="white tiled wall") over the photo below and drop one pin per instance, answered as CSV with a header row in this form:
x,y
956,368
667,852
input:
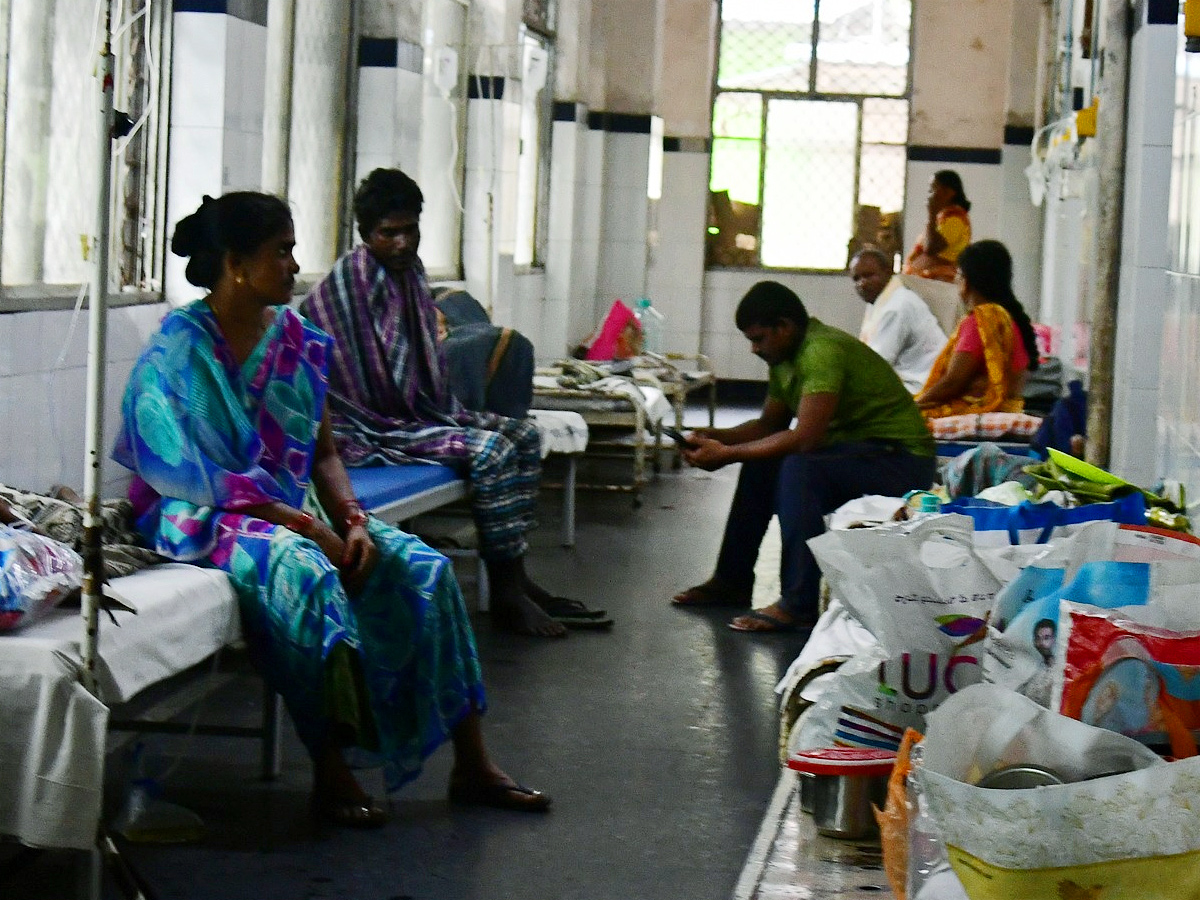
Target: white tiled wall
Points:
x,y
830,298
1064,285
376,125
42,407
1019,226
675,275
1178,404
318,121
216,130
624,212
1144,253
491,177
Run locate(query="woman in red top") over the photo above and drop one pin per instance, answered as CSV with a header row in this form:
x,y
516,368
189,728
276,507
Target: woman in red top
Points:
x,y
982,367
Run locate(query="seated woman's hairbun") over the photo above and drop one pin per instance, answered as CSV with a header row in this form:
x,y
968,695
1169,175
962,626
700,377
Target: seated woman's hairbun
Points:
x,y
237,222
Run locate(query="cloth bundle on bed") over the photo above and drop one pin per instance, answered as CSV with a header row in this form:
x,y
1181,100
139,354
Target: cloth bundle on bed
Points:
x,y
985,426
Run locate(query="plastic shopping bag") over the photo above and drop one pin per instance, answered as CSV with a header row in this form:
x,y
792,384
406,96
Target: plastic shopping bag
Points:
x,y
872,699
1134,677
36,573
924,587
1101,564
893,819
1121,821
1039,522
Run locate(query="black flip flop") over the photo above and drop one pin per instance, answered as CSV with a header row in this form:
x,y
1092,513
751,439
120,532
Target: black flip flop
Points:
x,y
563,608
585,624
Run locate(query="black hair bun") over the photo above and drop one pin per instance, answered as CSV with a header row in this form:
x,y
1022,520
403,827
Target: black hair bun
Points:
x,y
191,234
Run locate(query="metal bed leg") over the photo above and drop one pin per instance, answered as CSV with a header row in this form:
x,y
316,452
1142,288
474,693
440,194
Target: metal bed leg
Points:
x,y
639,456
90,872
568,503
272,748
482,588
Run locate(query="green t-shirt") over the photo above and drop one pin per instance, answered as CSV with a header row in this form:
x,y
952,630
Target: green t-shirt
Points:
x,y
873,403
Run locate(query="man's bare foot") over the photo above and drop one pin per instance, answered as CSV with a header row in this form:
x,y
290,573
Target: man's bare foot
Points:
x,y
496,789
773,618
521,615
67,494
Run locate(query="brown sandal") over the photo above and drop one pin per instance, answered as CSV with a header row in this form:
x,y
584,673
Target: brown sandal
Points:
x,y
505,794
365,813
713,593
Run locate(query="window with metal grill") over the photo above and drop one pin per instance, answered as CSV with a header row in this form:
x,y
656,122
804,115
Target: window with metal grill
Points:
x,y
810,122
48,181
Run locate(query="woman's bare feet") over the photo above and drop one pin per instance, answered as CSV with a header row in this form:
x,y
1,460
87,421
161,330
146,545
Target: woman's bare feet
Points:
x,y
339,799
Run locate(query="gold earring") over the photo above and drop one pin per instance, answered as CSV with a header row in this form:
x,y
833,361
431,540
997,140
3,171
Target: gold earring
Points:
x,y
238,279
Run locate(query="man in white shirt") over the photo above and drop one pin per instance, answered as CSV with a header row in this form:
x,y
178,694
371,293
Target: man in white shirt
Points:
x,y
898,324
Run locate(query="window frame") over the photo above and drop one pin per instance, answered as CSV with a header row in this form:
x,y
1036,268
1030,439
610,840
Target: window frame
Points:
x,y
812,94
45,296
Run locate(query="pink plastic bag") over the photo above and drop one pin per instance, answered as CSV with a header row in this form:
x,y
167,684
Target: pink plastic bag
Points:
x,y
620,337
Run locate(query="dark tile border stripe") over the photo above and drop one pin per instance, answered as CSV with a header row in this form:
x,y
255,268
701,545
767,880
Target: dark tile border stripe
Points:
x,y
731,390
569,111
982,155
686,145
620,123
1018,134
485,87
1162,12
378,53
253,11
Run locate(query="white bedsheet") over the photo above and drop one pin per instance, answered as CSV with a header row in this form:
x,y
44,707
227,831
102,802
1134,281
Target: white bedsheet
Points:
x,y
610,393
562,431
52,731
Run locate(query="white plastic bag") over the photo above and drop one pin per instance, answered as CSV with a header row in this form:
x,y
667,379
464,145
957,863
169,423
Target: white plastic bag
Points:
x,y
1123,825
921,587
36,573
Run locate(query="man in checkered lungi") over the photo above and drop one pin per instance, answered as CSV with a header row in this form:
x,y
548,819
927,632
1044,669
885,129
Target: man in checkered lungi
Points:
x,y
391,401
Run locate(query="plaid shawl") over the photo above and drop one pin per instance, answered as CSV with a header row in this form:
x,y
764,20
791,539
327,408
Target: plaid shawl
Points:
x,y
389,386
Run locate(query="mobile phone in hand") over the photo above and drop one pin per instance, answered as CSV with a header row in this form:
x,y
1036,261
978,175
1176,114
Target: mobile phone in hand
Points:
x,y
678,437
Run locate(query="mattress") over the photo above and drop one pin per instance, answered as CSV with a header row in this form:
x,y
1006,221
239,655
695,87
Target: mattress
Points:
x,y
52,731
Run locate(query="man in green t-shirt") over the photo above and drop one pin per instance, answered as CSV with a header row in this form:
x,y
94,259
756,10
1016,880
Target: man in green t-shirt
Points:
x,y
856,431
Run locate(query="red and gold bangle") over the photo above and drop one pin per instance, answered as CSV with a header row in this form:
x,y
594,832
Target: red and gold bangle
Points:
x,y
352,513
302,524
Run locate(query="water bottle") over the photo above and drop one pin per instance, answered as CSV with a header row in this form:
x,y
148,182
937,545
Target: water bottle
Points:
x,y
653,324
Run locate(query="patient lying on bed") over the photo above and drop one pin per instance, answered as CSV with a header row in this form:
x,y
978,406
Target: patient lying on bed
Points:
x,y
59,515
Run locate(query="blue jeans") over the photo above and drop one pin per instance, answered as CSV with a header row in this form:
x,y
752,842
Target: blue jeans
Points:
x,y
801,489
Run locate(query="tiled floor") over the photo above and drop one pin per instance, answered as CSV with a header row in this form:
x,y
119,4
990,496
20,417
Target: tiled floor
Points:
x,y
790,861
658,741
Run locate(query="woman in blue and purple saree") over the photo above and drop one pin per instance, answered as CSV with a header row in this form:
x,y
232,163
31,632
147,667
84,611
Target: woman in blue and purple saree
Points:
x,y
359,626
